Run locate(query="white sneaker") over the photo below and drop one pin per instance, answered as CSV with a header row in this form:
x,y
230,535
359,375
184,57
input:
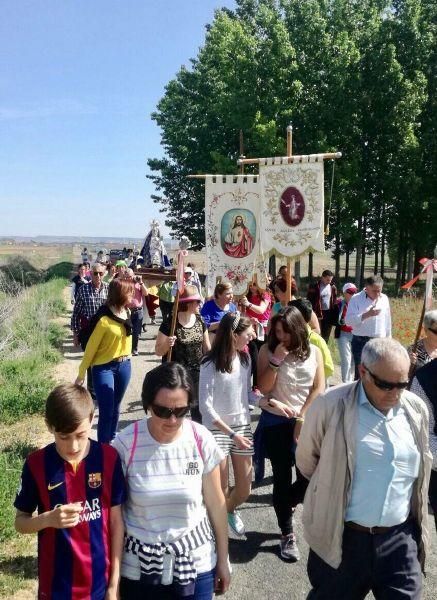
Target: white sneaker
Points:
x,y
236,524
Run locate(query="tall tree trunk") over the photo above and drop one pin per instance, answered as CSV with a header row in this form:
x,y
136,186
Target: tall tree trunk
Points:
x,y
272,266
358,255
404,264
310,266
297,272
382,254
377,239
382,239
346,266
363,252
399,260
409,273
337,252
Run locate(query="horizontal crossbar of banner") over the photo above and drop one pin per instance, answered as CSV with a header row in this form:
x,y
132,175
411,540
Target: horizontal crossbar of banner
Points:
x,y
285,160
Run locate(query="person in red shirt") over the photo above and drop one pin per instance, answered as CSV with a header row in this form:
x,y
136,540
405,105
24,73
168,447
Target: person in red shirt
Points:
x,y
77,486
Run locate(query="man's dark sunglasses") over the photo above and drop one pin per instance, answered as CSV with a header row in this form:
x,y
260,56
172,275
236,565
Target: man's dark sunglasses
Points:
x,y
98,273
387,385
165,413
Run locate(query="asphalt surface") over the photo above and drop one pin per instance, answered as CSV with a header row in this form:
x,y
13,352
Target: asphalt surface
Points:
x,y
258,570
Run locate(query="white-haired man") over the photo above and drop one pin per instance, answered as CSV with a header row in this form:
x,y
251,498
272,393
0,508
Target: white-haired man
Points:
x,y
364,448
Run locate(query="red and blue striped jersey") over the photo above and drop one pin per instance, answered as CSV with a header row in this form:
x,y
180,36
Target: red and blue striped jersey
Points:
x,y
73,563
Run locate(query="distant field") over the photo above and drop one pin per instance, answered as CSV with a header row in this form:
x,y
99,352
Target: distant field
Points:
x,y
39,257
43,256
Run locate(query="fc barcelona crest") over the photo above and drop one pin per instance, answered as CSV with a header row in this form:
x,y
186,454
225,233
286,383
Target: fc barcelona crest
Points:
x,y
95,480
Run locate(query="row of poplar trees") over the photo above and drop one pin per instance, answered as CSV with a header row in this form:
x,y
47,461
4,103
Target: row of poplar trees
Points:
x,y
357,76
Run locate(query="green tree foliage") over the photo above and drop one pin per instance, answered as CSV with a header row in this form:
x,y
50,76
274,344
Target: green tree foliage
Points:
x,y
353,75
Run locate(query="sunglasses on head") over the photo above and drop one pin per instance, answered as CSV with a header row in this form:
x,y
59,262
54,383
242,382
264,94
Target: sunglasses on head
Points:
x,y
387,385
165,413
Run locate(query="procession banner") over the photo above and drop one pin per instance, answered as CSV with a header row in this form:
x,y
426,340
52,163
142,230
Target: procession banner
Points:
x,y
232,231
292,206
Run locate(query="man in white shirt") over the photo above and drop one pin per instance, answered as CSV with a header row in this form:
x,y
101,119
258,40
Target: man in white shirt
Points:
x,y
369,316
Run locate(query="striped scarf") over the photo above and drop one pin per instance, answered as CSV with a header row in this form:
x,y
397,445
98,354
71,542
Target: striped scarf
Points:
x,y
151,557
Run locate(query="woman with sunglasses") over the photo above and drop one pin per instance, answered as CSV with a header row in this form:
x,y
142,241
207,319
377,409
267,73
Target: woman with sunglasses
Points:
x,y
189,342
425,350
224,396
108,352
175,516
291,376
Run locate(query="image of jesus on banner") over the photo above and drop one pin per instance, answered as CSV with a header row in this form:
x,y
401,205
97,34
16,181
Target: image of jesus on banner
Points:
x,y
238,241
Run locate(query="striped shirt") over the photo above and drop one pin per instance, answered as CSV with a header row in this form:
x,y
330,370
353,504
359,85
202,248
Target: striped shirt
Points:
x,y
73,563
165,499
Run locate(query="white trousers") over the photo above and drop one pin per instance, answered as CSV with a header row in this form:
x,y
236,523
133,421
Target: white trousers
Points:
x,y
346,358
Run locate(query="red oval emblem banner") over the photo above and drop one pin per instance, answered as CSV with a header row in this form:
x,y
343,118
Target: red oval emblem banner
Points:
x,y
292,206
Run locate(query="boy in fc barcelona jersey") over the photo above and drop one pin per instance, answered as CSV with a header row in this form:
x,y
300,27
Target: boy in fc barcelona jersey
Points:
x,y
76,485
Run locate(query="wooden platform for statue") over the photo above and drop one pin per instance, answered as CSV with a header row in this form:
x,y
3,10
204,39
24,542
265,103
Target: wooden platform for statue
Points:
x,y
156,275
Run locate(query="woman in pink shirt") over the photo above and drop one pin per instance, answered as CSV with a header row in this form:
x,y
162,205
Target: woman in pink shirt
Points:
x,y
136,307
258,304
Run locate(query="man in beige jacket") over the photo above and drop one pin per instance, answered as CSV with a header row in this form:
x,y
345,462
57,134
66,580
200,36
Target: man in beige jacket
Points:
x,y
364,448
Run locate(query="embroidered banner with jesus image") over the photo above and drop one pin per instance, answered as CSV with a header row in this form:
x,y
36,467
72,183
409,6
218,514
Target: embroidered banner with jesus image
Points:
x,y
232,211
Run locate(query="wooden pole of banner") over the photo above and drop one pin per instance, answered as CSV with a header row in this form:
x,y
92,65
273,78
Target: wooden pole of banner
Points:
x,y
183,247
173,321
290,262
293,158
241,152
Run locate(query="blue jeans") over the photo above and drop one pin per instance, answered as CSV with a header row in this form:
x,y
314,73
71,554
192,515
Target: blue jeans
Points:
x,y
133,590
110,382
137,321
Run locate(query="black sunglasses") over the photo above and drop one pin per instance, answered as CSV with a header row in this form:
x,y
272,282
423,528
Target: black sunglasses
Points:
x,y
165,413
387,385
98,273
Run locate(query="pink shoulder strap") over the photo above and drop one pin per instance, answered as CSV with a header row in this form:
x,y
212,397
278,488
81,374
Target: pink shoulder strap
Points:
x,y
134,446
198,439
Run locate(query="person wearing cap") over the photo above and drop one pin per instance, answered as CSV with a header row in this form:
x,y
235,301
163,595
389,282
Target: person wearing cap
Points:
x,y
189,279
369,315
189,342
120,268
343,334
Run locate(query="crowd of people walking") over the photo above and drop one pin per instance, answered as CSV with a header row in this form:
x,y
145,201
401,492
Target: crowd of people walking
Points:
x,y
145,512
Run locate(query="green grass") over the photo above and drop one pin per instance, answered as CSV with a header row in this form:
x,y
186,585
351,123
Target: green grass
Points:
x,y
25,379
11,463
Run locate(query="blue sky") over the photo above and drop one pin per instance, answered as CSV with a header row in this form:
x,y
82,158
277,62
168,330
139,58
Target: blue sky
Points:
x,y
78,81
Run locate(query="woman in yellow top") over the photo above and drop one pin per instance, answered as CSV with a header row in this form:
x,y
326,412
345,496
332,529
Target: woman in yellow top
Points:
x,y
108,353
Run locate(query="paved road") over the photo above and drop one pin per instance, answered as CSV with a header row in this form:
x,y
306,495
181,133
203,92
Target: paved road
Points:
x,y
258,571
